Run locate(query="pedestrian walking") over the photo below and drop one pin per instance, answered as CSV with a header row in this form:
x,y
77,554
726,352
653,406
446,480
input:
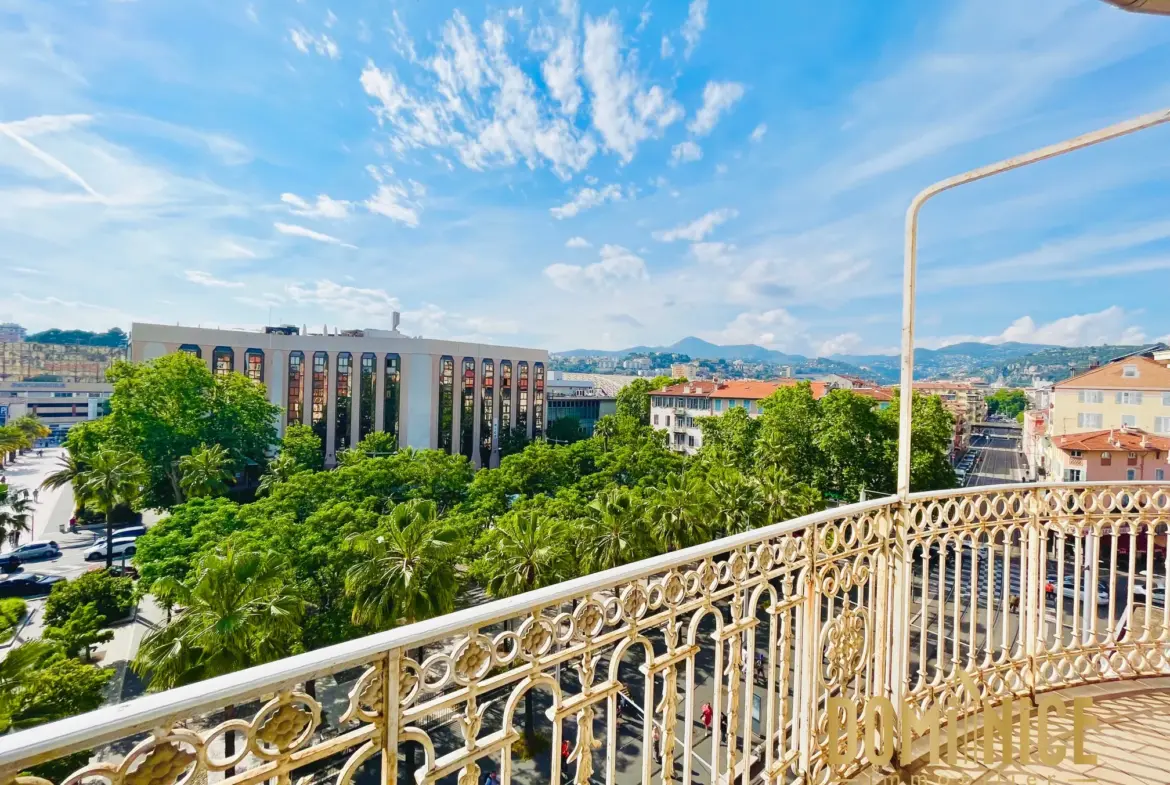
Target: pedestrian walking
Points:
x,y
656,741
706,714
565,750
37,495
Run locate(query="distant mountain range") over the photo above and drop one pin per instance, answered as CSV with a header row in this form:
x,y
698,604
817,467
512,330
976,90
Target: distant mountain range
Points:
x,y
1013,361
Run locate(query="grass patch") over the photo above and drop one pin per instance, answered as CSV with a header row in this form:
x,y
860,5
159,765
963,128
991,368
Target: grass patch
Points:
x,y
12,610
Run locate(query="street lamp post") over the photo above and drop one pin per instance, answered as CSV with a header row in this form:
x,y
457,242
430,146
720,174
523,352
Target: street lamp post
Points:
x,y
910,266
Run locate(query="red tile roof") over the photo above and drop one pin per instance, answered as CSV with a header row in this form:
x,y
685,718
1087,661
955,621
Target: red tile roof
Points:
x,y
746,388
877,393
1128,440
1151,376
697,387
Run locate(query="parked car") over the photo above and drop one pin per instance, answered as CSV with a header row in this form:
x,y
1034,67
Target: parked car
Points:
x,y
28,584
1069,589
9,562
122,546
37,549
1139,584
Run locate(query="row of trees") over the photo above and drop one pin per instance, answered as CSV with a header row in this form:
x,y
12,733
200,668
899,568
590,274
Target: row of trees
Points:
x,y
20,434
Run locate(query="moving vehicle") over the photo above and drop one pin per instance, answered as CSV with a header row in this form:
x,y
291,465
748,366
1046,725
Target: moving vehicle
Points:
x,y
1069,589
122,546
1139,584
128,532
29,584
37,549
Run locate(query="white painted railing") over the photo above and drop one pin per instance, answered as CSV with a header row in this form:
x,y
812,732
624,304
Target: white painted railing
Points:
x,y
876,599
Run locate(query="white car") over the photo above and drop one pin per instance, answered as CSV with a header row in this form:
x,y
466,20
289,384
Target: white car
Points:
x,y
1139,584
1069,590
37,549
123,546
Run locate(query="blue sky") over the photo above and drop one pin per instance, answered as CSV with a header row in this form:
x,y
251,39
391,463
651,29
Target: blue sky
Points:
x,y
583,174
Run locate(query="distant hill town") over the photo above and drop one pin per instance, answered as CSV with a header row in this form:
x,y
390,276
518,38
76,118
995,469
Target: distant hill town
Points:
x,y
1011,363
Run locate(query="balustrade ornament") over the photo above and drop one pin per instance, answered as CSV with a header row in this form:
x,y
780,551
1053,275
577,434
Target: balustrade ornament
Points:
x,y
890,599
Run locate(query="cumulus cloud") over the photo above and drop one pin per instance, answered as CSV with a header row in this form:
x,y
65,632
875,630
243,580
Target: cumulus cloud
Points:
x,y
758,132
295,230
1114,325
698,229
718,97
393,202
685,152
774,329
306,42
585,199
696,23
325,207
617,264
339,297
625,111
578,242
845,343
713,253
207,279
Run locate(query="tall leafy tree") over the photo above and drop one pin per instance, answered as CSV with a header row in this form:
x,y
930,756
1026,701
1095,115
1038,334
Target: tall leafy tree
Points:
x,y
15,514
613,531
280,469
112,478
932,430
605,429
302,446
205,472
406,568
633,400
39,684
69,467
12,439
164,409
84,629
32,427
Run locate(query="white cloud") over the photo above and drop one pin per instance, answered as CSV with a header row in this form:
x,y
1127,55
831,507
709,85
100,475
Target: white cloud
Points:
x,y
718,97
696,23
774,329
560,74
625,112
698,229
1114,325
578,242
586,199
617,264
206,279
330,18
845,343
325,206
393,202
301,231
758,132
685,152
46,124
305,42
713,253
665,49
644,18
720,168
348,299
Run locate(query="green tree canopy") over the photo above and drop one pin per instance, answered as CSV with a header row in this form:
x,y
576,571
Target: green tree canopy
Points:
x,y
112,597
39,684
205,472
302,446
565,430
633,400
1009,403
81,631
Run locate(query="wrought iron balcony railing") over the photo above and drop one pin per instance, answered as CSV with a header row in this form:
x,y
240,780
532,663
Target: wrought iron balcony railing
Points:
x,y
716,662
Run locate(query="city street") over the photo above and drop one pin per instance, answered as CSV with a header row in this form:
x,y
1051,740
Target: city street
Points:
x,y
998,459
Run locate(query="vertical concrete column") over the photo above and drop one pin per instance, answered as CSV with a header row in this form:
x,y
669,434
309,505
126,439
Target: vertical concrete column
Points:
x,y
208,351
456,404
380,391
307,388
275,377
478,459
355,399
331,412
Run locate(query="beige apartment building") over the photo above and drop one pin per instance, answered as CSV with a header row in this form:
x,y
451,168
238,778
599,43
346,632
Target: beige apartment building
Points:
x,y
432,394
1133,392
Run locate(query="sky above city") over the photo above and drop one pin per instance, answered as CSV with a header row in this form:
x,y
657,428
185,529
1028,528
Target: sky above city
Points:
x,y
583,174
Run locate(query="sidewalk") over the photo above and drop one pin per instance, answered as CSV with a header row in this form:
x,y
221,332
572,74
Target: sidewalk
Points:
x,y
55,506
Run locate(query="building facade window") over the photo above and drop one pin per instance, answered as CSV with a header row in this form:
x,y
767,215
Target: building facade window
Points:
x,y
1166,399
656,419
1131,474
367,387
192,348
254,365
295,407
1159,474
446,402
1074,453
1162,425
1132,459
223,360
505,394
467,410
392,394
1129,397
1129,371
1072,475
320,396
538,399
690,441
343,401
487,388
1106,459
1090,396
522,396
1129,420
1089,420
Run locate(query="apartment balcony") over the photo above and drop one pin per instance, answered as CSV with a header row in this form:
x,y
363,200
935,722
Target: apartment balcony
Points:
x,y
911,601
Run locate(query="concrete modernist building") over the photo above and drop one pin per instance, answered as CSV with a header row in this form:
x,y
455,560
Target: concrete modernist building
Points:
x,y
59,405
431,394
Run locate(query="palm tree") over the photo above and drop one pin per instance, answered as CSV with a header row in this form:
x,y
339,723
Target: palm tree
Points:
x,y
238,610
205,471
528,553
32,427
782,499
15,515
407,569
11,440
280,469
112,478
70,467
614,531
736,501
16,673
606,428
679,513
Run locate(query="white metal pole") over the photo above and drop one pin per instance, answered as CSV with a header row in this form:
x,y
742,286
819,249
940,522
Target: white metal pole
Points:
x,y
910,266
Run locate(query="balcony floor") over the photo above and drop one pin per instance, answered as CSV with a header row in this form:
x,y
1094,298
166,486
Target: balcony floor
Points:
x,y
1131,742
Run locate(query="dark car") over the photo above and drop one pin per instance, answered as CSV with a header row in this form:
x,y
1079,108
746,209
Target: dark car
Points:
x,y
28,585
9,562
